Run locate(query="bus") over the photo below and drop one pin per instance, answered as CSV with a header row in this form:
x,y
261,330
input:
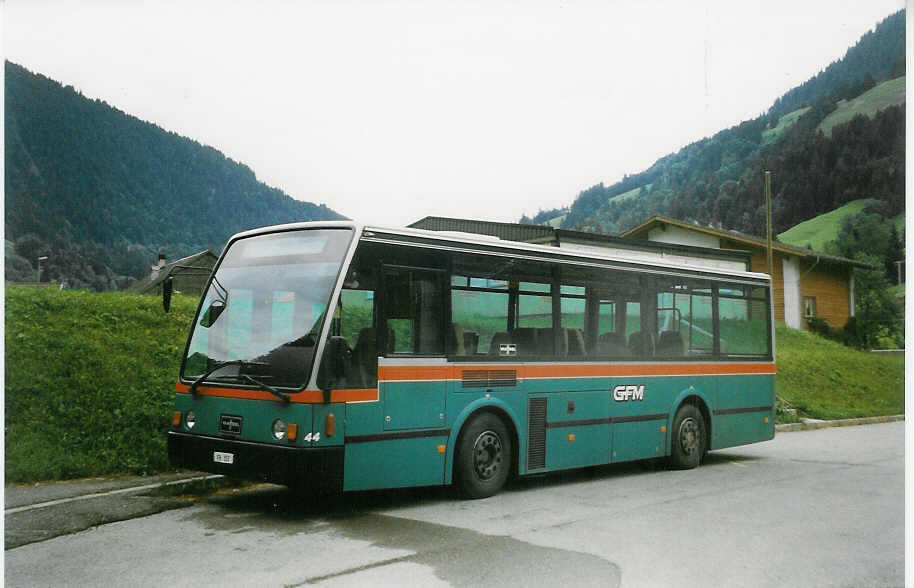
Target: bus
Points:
x,y
333,356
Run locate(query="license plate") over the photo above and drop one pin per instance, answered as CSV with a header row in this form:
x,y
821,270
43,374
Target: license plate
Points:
x,y
220,457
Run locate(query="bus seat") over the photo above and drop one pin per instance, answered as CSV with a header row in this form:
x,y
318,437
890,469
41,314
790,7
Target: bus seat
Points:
x,y
641,344
498,339
562,343
575,342
544,342
670,344
612,344
365,355
527,341
470,342
456,340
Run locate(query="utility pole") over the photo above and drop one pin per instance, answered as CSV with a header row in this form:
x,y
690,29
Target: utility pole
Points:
x,y
768,217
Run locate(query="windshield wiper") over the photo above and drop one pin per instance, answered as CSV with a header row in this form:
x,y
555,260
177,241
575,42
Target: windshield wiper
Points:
x,y
281,395
239,362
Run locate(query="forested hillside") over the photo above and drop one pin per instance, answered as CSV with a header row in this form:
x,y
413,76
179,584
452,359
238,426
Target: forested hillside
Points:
x,y
719,180
101,193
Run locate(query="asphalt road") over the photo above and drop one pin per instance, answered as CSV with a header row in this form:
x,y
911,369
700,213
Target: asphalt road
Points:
x,y
816,508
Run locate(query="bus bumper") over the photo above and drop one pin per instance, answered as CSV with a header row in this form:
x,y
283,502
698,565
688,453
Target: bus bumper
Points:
x,y
319,468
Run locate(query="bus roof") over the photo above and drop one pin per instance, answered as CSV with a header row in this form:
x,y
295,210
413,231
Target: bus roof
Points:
x,y
484,243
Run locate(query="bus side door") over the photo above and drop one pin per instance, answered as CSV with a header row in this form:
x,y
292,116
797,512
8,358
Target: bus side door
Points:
x,y
413,382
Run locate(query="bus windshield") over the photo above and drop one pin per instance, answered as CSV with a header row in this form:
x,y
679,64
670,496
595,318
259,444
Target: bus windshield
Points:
x,y
263,311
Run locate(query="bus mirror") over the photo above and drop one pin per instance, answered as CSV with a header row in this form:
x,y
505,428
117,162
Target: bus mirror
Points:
x,y
333,365
168,287
212,313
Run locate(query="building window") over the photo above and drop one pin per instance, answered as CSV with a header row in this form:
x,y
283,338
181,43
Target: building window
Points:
x,y
809,307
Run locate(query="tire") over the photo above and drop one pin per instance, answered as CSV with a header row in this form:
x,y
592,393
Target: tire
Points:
x,y
484,456
690,438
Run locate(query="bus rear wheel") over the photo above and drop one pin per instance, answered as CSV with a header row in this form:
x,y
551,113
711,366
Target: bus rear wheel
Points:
x,y
689,438
484,456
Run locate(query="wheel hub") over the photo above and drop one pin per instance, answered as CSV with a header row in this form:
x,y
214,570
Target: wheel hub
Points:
x,y
487,454
689,436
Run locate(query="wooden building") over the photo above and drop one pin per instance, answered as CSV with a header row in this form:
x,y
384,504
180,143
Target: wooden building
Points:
x,y
806,283
629,248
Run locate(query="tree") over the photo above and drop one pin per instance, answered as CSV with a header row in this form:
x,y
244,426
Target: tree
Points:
x,y
894,253
30,247
877,323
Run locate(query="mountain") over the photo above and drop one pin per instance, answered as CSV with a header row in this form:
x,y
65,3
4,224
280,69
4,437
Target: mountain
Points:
x,y
720,180
101,192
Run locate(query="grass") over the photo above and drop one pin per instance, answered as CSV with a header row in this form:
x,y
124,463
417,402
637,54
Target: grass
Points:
x,y
89,382
818,231
869,103
784,123
630,194
826,380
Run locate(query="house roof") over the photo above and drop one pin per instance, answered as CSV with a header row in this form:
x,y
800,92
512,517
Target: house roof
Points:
x,y
549,235
506,231
641,231
194,264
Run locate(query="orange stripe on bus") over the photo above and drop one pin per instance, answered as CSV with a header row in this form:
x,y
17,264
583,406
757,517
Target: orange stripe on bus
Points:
x,y
303,397
354,395
429,373
438,373
396,372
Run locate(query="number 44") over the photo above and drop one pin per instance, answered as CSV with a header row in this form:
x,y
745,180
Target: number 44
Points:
x,y
313,437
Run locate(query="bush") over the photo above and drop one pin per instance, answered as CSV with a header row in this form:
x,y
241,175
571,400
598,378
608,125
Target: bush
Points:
x,y
89,381
820,327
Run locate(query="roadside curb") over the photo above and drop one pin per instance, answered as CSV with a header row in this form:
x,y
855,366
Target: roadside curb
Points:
x,y
21,497
43,511
810,424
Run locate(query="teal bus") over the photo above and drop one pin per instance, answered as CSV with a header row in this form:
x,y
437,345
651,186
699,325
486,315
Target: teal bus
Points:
x,y
335,357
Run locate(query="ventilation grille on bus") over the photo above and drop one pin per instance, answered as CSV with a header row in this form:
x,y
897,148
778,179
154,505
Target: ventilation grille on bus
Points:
x,y
536,434
489,378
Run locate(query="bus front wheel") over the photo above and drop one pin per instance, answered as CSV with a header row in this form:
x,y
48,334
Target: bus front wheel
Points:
x,y
689,438
484,456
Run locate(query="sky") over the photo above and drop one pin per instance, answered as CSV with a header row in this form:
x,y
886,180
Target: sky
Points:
x,y
388,112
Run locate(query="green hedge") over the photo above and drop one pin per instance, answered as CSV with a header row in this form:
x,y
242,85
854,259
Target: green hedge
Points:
x,y
89,381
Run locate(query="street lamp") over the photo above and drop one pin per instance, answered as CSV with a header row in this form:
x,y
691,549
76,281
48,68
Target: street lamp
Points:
x,y
38,271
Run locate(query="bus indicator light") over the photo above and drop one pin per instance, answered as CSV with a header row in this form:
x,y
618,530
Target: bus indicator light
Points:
x,y
571,437
292,432
176,419
442,448
330,424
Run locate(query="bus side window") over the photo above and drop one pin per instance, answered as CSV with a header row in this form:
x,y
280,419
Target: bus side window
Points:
x,y
640,340
574,321
356,320
413,311
479,311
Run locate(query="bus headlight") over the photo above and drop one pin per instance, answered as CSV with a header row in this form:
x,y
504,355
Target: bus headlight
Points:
x,y
279,429
190,419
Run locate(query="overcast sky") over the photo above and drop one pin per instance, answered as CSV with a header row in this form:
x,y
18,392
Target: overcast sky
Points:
x,y
391,111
